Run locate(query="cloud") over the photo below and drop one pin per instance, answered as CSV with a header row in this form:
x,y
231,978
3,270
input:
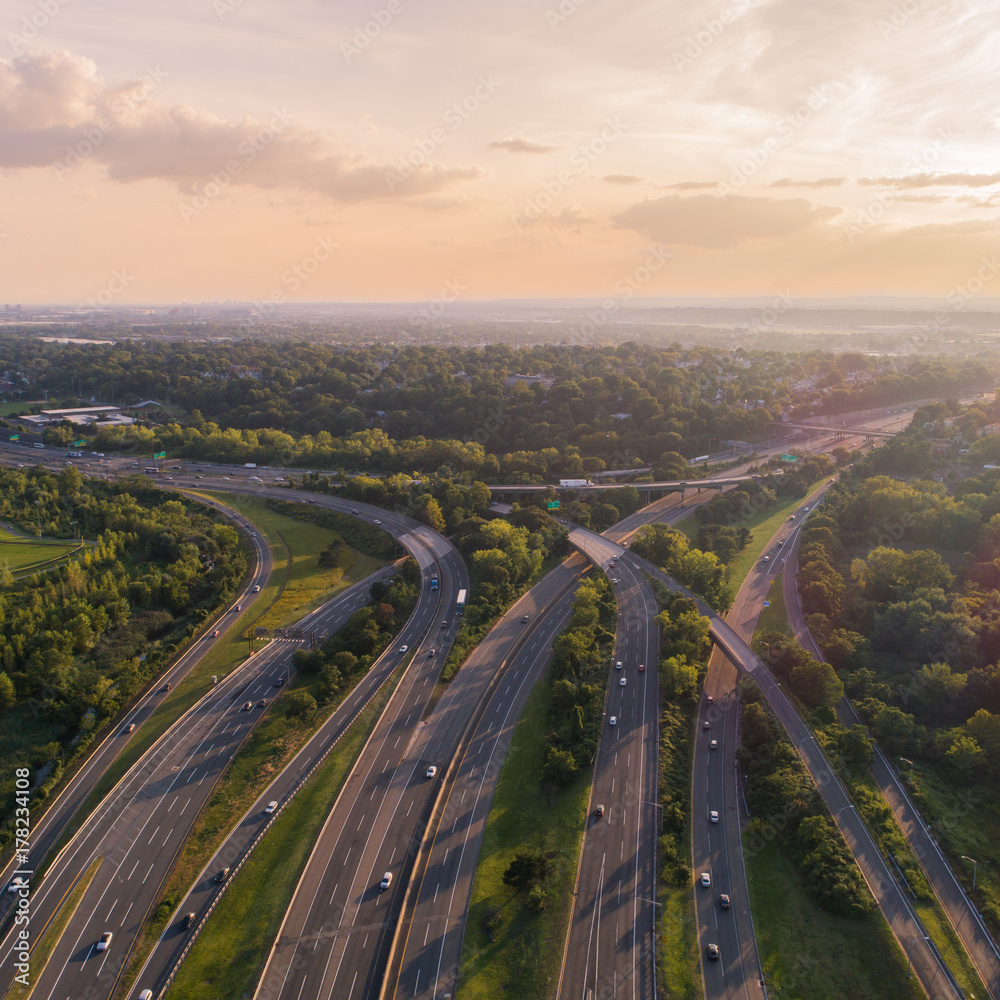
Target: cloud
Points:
x,y
522,146
717,223
933,180
787,182
56,111
691,186
624,178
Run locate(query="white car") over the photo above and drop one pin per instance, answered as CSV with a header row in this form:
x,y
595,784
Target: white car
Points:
x,y
622,682
146,995
618,665
404,648
613,721
17,884
256,588
386,881
713,817
106,937
271,806
706,879
713,745
377,521
431,771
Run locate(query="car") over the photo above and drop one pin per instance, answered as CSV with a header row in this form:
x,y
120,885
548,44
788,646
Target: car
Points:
x,y
239,607
791,517
599,811
167,686
767,558
713,817
431,771
830,480
642,668
615,579
432,651
377,521
710,699
146,995
168,477
622,682
187,921
106,937
256,588
262,703
805,508
199,477
404,648
222,875
386,881
706,879
524,618
706,724
444,624
713,744
725,902
618,664
17,884
130,728
247,705
271,806
355,510
613,721
225,479
215,634
713,952
280,679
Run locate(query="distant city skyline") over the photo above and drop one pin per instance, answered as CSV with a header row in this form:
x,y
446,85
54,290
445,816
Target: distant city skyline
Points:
x,y
389,151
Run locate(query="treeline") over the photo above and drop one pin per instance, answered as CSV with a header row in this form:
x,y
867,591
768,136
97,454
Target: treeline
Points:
x,y
786,807
77,642
684,647
351,651
702,572
581,663
574,410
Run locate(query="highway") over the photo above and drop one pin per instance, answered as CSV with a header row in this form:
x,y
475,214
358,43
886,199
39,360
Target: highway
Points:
x,y
140,826
893,901
49,827
611,945
141,805
964,917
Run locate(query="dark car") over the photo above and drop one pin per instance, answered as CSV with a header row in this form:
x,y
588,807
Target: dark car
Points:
x,y
187,921
713,952
223,875
599,811
725,902
278,681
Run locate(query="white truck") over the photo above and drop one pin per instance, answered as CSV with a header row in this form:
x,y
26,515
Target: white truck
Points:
x,y
250,465
574,483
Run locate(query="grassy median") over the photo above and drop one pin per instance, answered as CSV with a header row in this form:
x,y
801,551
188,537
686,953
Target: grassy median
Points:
x,y
807,952
508,950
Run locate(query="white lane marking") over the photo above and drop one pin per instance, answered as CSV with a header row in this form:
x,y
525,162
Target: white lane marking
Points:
x,y
127,912
186,804
169,835
132,872
148,842
332,894
113,905
151,867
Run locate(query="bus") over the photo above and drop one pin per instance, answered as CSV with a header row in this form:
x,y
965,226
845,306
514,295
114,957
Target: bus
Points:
x,y
460,603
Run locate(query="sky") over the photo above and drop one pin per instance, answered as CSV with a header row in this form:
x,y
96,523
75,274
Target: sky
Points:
x,y
436,150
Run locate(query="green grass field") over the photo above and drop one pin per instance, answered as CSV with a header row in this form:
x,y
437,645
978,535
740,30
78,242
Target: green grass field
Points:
x,y
229,955
809,953
509,951
775,617
23,554
678,956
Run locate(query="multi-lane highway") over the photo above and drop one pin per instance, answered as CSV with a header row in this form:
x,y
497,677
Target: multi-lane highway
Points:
x,y
611,945
928,966
139,828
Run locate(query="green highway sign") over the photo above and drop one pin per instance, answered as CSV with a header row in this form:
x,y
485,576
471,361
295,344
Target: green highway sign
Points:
x,y
160,454
79,444
551,504
15,437
789,458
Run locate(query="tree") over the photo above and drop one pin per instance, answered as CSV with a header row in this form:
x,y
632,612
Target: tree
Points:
x,y
8,695
300,704
817,684
559,769
528,868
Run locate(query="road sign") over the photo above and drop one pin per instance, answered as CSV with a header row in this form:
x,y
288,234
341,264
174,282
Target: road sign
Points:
x,y
789,458
80,443
551,504
160,454
15,437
